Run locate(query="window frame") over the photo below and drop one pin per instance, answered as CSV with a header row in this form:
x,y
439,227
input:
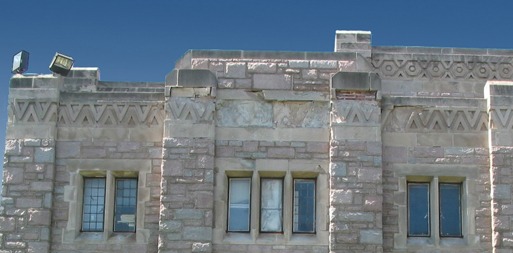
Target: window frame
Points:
x,y
84,203
460,188
228,205
314,180
282,180
429,196
115,205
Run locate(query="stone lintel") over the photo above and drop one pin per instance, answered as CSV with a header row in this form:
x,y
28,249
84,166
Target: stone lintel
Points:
x,y
285,95
270,134
356,81
191,78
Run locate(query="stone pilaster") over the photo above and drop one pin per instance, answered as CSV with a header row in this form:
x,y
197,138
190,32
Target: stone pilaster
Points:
x,y
29,165
186,213
355,164
499,95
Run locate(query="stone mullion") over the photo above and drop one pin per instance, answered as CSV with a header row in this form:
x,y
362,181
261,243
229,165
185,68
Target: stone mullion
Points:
x,y
29,171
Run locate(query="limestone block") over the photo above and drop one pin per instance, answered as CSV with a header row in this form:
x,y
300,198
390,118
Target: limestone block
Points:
x,y
371,175
501,191
268,134
244,114
236,70
201,247
371,236
341,196
39,217
197,233
188,214
363,133
44,155
356,216
260,67
299,64
170,226
13,175
67,149
12,147
301,114
338,169
272,82
324,64
7,224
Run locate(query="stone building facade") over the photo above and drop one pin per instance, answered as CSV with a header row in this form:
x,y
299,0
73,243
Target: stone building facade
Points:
x,y
365,149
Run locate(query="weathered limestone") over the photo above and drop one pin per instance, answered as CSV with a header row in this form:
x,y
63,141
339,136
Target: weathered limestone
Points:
x,y
360,124
356,194
499,96
186,209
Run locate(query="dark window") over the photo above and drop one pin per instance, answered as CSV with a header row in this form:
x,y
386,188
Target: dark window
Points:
x,y
125,206
304,206
450,210
418,209
271,205
238,204
93,205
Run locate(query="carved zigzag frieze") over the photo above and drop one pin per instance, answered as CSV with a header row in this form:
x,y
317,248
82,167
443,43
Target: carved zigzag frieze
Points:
x,y
354,113
438,67
196,111
501,117
439,119
413,119
128,114
34,111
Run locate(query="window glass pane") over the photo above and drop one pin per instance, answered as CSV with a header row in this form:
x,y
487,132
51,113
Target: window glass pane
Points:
x,y
418,209
93,205
238,204
125,205
271,205
304,205
450,210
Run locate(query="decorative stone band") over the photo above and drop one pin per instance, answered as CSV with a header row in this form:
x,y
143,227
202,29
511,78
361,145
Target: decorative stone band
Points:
x,y
439,66
415,119
127,114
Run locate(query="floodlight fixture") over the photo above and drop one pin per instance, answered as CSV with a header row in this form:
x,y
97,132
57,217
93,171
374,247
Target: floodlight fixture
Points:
x,y
61,64
20,62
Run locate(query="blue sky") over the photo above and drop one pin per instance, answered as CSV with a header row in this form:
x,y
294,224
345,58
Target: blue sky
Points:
x,y
133,40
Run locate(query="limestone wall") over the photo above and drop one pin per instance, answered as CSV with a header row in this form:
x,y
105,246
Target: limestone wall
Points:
x,y
361,124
